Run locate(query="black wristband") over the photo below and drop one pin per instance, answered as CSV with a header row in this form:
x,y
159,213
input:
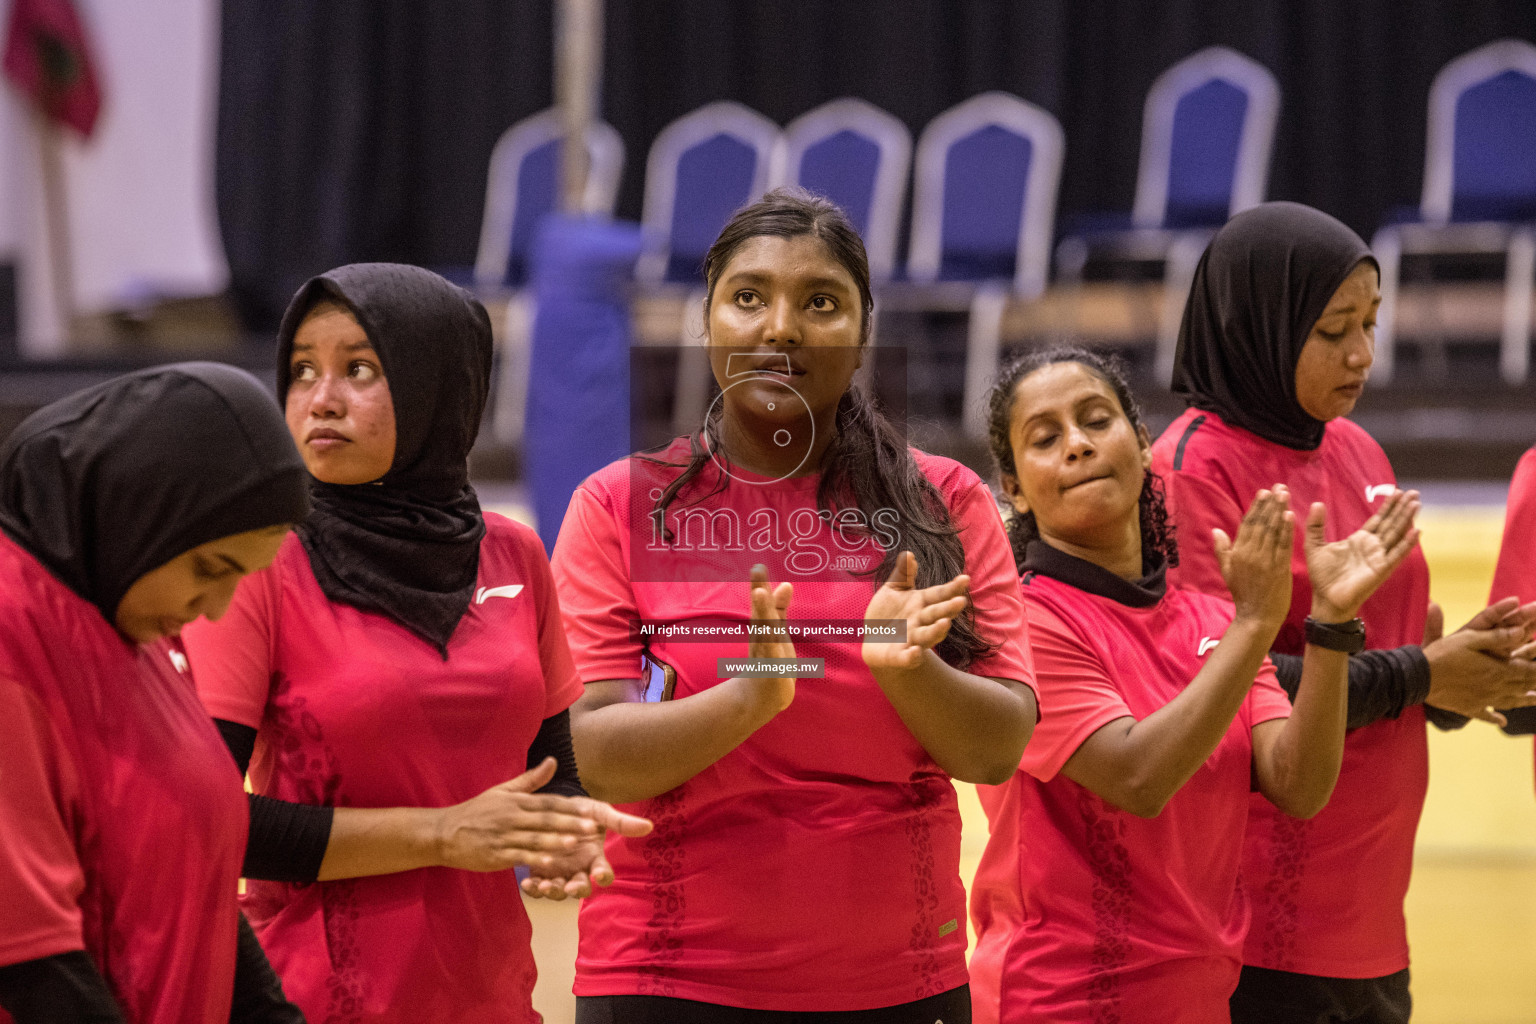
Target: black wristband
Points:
x,y
1344,637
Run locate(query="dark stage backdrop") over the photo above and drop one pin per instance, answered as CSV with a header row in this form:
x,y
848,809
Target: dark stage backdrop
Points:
x,y
360,129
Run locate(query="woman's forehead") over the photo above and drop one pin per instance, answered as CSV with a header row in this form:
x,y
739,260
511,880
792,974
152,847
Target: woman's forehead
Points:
x,y
1067,380
798,256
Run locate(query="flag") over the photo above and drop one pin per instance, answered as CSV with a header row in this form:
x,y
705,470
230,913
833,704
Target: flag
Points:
x,y
47,57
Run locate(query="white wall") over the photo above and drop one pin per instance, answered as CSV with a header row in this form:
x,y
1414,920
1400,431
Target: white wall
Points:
x,y
140,190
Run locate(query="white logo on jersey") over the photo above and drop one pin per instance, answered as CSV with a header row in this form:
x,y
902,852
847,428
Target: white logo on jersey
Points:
x,y
510,590
179,660
1374,491
1206,643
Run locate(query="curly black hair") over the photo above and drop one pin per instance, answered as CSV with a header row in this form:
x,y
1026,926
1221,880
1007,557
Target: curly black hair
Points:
x,y
1157,533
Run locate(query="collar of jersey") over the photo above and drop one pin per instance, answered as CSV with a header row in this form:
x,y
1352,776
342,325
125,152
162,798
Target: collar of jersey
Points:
x,y
1041,558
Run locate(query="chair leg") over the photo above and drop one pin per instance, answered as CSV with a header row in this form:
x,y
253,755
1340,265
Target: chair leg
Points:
x,y
1178,276
1071,263
1519,279
1388,247
693,374
983,344
511,407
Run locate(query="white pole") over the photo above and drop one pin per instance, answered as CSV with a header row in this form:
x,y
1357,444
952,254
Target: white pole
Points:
x,y
61,264
578,90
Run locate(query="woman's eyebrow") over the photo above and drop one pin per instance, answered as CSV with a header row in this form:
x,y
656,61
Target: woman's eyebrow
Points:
x,y
350,346
746,277
830,283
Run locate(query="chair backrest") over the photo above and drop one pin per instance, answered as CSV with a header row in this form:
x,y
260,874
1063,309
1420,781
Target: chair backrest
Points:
x,y
1206,135
523,185
702,168
1480,153
856,155
984,193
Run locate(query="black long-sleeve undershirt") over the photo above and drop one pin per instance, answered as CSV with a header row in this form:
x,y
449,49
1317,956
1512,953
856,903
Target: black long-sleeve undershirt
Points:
x,y
288,840
258,997
66,988
1382,684
1522,721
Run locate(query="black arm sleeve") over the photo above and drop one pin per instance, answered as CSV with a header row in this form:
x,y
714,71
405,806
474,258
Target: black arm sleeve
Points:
x,y
1381,683
288,840
554,740
241,741
1522,721
65,988
259,995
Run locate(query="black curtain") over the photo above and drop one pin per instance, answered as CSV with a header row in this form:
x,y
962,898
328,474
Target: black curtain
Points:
x,y
361,129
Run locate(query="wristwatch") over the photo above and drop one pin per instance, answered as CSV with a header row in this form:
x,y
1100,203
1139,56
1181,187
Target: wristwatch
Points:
x,y
1345,637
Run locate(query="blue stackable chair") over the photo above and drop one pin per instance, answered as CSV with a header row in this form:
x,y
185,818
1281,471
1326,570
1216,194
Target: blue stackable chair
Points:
x,y
522,187
702,168
524,184
856,155
983,207
1479,190
1207,132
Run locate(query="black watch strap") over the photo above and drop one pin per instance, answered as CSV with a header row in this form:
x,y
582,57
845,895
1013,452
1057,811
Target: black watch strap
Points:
x,y
1344,637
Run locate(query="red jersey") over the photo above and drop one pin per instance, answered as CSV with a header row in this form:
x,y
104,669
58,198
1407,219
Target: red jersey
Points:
x,y
1327,893
122,823
1086,912
816,866
354,710
1515,573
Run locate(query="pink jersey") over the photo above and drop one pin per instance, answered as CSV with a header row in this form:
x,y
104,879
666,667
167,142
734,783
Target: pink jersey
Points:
x,y
1086,912
1327,893
1515,573
354,710
122,823
816,866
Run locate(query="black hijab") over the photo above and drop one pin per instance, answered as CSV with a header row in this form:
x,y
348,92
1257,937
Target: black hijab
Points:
x,y
118,479
1264,280
407,545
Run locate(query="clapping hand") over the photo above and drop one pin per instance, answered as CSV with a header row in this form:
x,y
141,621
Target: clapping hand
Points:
x,y
574,871
1346,572
1257,565
1486,664
770,606
928,612
556,837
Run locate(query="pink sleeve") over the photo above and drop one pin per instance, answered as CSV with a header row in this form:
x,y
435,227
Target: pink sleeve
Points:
x,y
562,687
596,595
1077,695
1266,701
1198,506
1515,573
40,874
994,587
231,659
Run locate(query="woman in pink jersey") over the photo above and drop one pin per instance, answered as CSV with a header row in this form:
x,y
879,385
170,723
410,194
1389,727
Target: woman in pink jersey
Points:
x,y
127,510
1108,889
1274,350
1515,573
805,860
401,660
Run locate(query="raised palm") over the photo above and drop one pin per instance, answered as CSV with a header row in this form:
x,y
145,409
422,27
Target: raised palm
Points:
x,y
927,611
1347,572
